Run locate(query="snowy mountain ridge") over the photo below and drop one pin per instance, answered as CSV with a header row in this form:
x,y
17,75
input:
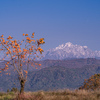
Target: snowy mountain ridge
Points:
x,y
68,44
68,50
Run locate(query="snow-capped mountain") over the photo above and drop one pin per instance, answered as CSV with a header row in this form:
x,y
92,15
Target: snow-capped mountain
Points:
x,y
68,50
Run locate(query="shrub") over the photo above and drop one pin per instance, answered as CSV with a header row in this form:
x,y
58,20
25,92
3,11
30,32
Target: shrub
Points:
x,y
92,83
14,90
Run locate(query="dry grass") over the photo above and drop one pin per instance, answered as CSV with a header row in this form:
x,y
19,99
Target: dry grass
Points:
x,y
54,95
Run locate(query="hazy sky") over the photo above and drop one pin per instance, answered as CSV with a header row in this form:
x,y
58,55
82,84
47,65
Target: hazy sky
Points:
x,y
58,21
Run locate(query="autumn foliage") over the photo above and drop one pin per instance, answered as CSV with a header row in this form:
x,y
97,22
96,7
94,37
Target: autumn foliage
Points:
x,y
16,52
92,83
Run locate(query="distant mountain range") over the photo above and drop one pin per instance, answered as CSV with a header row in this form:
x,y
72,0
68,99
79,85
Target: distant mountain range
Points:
x,y
68,50
54,74
65,66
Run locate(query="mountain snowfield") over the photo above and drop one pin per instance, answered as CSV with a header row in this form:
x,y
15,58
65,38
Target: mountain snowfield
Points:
x,y
68,50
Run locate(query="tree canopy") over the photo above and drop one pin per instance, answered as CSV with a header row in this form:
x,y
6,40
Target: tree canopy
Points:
x,y
18,53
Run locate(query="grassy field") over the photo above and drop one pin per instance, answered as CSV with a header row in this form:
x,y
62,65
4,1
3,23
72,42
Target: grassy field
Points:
x,y
53,95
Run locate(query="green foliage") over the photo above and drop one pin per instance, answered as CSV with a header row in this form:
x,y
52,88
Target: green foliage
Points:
x,y
7,96
92,83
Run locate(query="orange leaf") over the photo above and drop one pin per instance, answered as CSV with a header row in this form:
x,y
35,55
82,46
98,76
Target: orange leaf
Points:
x,y
1,35
7,62
29,41
28,38
25,71
24,50
39,64
33,40
3,40
32,34
23,34
20,64
26,34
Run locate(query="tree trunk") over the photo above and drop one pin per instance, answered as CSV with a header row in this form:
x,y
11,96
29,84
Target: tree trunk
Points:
x,y
22,83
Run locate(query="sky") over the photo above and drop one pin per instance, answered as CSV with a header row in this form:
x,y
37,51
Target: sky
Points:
x,y
58,21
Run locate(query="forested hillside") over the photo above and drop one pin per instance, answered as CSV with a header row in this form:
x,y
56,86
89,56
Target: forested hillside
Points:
x,y
57,76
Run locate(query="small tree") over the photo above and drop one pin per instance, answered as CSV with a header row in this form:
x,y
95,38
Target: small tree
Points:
x,y
92,83
14,90
7,90
21,55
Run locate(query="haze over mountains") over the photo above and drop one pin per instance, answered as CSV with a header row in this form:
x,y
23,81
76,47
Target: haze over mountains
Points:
x,y
56,74
68,50
56,70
